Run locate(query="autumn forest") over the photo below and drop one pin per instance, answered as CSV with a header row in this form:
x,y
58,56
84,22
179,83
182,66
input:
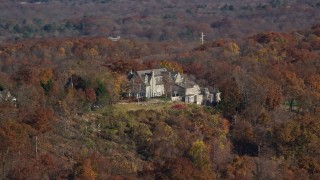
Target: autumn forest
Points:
x,y
71,120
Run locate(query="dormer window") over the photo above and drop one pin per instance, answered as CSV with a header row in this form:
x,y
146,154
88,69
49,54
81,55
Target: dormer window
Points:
x,y
146,79
159,79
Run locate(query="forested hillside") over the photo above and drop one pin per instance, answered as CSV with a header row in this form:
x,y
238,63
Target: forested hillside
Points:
x,y
266,127
155,20
69,120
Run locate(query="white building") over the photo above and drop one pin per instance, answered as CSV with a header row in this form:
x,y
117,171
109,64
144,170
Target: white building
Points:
x,y
161,82
147,83
5,96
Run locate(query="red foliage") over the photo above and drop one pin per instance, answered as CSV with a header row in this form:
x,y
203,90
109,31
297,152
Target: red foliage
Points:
x,y
150,64
315,44
47,160
193,68
122,66
179,106
90,94
316,29
26,75
269,37
218,43
201,48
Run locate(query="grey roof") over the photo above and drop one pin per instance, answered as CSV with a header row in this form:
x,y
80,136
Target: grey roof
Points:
x,y
186,85
157,72
6,96
148,73
174,73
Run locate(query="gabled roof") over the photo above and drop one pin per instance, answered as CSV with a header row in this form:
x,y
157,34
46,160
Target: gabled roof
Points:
x,y
157,72
148,73
172,73
187,84
6,96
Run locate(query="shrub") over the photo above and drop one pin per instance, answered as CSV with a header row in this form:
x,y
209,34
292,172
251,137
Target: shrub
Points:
x,y
179,106
198,154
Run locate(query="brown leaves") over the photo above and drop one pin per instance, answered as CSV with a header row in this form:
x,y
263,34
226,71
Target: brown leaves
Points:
x,y
26,75
242,168
182,168
268,37
12,135
294,85
40,119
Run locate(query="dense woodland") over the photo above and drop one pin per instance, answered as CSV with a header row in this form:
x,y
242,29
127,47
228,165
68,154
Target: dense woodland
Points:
x,y
266,126
155,20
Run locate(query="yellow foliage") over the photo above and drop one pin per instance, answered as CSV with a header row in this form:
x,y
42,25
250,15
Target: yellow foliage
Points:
x,y
198,154
118,82
61,51
68,44
171,66
265,54
167,130
231,49
45,75
93,52
197,148
234,48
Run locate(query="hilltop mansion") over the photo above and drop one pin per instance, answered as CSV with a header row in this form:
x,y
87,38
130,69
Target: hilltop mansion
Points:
x,y
161,82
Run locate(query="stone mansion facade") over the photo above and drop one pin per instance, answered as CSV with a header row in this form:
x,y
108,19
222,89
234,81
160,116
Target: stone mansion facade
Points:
x,y
161,82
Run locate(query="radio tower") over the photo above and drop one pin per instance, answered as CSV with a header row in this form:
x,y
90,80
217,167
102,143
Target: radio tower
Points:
x,y
202,38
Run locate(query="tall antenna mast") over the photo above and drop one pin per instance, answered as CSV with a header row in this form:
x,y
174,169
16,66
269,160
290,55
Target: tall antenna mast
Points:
x,y
202,38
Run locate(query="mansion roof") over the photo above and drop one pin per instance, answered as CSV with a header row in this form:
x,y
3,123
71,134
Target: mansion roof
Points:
x,y
157,72
162,75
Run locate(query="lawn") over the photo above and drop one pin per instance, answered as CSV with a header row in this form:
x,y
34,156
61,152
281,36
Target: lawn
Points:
x,y
144,105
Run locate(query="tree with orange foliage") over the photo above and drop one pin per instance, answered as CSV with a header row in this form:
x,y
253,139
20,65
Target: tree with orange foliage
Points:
x,y
46,79
85,171
45,75
171,66
120,84
312,99
294,88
